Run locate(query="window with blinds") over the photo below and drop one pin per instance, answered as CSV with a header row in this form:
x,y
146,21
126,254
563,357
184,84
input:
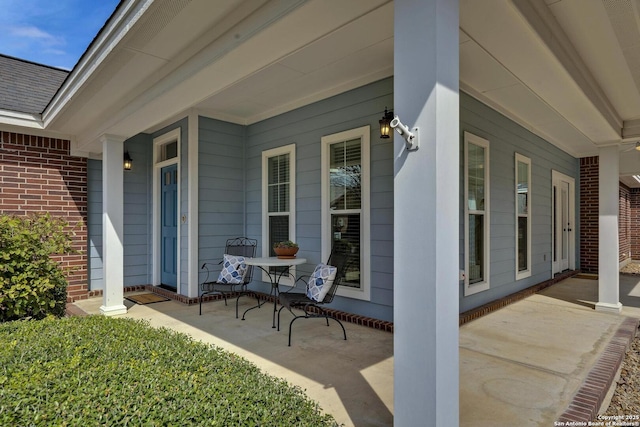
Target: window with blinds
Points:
x,y
345,206
523,216
476,188
345,201
278,198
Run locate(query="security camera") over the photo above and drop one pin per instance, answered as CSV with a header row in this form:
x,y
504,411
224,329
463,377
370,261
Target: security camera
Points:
x,y
409,136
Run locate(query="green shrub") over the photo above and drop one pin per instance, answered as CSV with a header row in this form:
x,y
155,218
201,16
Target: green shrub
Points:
x,y
104,371
32,283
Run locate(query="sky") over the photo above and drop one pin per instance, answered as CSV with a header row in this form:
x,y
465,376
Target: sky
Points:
x,y
51,32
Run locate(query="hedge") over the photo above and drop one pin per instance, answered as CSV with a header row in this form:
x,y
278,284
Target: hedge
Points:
x,y
32,283
96,370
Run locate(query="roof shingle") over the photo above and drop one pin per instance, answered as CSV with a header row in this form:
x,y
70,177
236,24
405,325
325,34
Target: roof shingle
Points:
x,y
27,87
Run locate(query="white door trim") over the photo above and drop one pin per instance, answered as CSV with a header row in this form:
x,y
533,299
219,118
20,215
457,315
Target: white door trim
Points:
x,y
556,178
156,250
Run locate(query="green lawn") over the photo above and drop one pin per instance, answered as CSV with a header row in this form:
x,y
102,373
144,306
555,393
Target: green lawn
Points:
x,y
95,370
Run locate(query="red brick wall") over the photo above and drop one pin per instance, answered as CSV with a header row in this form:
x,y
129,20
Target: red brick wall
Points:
x,y
38,174
624,222
634,223
589,214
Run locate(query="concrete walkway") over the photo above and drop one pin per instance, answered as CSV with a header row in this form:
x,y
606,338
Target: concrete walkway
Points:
x,y
519,366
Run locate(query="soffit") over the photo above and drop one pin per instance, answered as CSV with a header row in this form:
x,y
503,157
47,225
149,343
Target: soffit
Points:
x,y
241,61
557,67
565,69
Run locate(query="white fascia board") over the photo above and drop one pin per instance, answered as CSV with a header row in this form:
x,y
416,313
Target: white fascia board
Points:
x,y
13,118
28,124
127,14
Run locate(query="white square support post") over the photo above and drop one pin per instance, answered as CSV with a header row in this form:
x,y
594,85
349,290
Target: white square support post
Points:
x,y
113,225
608,244
426,214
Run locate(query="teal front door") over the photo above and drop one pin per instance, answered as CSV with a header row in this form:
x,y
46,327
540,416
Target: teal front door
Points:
x,y
169,232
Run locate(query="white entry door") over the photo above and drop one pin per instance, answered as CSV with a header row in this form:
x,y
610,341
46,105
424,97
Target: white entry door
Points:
x,y
563,198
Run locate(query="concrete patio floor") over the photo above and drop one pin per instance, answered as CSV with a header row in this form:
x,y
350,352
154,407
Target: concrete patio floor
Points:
x,y
521,365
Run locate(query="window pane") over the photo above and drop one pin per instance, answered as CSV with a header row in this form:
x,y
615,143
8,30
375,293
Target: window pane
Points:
x,y
522,243
169,151
278,232
476,164
278,183
523,188
476,248
346,235
345,171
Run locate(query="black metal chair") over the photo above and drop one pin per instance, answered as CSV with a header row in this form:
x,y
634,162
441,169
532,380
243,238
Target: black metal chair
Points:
x,y
312,308
240,246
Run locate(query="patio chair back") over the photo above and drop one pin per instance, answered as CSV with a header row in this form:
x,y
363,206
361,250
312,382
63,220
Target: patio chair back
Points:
x,y
239,246
339,259
242,246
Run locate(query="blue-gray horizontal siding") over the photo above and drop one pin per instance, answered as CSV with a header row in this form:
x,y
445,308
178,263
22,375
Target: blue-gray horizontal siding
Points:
x,y
221,185
137,216
505,139
305,127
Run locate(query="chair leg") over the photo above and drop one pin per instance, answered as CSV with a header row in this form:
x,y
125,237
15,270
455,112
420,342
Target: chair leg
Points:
x,y
344,332
279,317
291,324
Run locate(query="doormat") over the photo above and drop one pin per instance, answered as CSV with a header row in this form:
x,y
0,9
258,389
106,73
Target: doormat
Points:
x,y
147,298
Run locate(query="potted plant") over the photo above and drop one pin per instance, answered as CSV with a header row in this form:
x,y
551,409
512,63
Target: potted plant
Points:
x,y
286,249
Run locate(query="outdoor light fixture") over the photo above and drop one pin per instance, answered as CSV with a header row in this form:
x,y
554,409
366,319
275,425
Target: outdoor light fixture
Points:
x,y
128,161
385,128
638,145
410,136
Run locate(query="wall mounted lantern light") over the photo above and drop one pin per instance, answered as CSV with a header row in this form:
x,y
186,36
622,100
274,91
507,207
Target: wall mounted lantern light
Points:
x,y
385,129
128,161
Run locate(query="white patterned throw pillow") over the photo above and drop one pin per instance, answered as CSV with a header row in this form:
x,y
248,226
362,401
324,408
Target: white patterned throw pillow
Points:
x,y
233,270
320,281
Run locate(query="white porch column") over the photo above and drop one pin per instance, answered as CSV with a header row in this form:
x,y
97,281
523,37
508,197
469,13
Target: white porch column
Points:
x,y
426,214
112,225
608,245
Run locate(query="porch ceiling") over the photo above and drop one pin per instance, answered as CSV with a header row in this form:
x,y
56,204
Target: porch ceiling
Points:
x,y
566,69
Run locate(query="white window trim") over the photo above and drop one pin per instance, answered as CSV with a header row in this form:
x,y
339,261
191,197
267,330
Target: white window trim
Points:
x,y
470,289
158,142
364,133
266,155
525,273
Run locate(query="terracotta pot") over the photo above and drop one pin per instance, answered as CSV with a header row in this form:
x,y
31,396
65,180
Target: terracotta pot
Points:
x,y
286,252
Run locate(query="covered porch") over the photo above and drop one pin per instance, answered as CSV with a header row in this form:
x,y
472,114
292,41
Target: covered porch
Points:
x,y
251,79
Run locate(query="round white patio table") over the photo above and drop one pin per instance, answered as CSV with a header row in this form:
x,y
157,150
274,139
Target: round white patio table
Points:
x,y
264,264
